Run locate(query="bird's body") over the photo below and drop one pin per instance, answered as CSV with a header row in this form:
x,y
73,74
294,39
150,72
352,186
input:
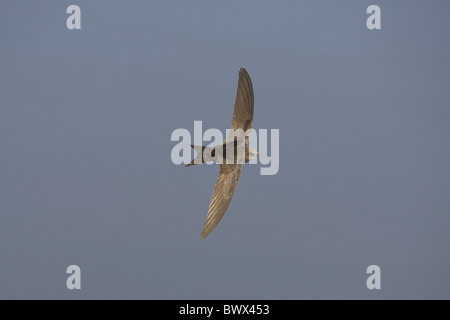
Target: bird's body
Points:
x,y
231,154
227,153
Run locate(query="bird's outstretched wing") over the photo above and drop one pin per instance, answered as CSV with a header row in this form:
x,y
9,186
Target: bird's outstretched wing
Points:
x,y
221,198
244,104
230,173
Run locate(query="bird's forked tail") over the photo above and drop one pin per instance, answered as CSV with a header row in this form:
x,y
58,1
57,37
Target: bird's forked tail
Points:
x,y
199,157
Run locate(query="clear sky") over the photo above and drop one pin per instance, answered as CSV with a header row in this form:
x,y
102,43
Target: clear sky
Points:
x,y
86,176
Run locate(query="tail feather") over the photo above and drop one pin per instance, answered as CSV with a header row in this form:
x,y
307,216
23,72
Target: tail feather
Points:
x,y
199,158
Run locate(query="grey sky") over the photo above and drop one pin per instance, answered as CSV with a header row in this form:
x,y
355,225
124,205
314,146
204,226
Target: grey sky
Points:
x,y
86,176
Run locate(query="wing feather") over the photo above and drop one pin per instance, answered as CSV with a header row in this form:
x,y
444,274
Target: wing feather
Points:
x,y
230,173
244,104
221,198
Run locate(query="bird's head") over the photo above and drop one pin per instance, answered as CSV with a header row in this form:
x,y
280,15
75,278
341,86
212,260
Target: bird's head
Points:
x,y
252,153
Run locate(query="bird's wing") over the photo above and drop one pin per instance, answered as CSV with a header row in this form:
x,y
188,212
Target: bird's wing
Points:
x,y
221,198
243,106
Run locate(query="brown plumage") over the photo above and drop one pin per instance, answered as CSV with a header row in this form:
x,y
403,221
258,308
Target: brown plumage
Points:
x,y
230,172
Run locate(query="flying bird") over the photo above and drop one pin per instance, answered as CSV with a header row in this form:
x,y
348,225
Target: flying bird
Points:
x,y
230,167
